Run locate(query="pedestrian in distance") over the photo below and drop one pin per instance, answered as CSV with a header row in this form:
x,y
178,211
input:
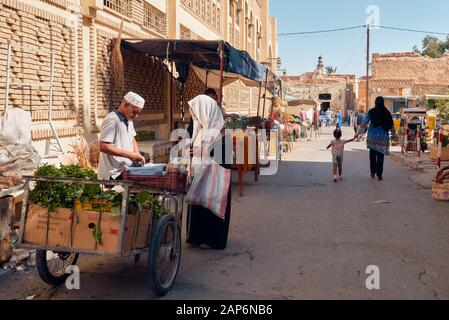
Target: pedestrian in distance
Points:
x,y
339,119
358,123
354,123
338,147
379,123
329,117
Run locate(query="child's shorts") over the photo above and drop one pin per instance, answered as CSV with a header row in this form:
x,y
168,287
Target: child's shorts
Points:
x,y
337,160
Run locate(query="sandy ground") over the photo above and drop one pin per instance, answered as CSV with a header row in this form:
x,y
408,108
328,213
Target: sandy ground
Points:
x,y
296,235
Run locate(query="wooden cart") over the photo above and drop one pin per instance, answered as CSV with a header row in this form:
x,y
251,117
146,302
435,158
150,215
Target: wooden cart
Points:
x,y
163,243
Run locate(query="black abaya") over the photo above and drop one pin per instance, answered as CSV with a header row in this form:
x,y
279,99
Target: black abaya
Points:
x,y
204,227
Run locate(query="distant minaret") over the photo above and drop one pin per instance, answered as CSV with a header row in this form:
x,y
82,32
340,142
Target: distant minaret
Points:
x,y
320,65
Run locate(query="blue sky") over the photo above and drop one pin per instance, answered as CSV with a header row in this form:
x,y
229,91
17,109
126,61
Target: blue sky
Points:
x,y
346,49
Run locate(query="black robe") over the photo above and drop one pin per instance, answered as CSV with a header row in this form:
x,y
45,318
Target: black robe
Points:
x,y
204,227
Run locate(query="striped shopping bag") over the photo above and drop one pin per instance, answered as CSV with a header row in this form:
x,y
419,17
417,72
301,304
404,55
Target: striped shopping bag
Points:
x,y
210,187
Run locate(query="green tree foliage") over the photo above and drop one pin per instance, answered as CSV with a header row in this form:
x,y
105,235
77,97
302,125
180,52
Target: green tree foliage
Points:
x,y
331,70
433,47
443,109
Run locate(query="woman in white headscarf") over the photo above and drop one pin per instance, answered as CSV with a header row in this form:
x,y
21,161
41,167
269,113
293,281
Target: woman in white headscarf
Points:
x,y
204,228
207,124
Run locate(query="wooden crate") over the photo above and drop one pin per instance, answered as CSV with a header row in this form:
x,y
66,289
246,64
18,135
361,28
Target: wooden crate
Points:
x,y
74,230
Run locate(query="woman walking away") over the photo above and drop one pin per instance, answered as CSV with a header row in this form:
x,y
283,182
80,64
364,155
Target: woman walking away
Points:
x,y
380,123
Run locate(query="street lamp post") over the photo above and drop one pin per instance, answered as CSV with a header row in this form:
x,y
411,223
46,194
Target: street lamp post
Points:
x,y
278,62
278,70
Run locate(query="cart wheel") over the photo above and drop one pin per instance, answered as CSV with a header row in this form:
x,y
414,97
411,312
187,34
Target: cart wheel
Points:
x,y
52,266
164,255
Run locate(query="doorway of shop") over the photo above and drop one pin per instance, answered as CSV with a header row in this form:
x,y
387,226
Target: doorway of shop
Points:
x,y
325,106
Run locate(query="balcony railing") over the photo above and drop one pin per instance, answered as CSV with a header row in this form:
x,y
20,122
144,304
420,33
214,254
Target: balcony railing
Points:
x,y
122,7
207,11
154,19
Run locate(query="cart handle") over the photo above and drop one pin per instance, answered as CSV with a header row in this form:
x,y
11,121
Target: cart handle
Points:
x,y
77,180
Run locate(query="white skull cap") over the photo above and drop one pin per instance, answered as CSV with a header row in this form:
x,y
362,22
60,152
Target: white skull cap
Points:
x,y
135,99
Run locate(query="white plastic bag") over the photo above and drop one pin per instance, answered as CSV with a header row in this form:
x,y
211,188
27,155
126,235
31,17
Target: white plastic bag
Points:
x,y
16,151
15,127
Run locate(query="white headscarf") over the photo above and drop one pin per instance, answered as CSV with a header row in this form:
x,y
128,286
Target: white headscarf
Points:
x,y
207,121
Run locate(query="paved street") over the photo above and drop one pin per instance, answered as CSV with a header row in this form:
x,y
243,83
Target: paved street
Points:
x,y
298,235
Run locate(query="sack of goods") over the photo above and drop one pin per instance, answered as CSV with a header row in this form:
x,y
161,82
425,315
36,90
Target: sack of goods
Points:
x,y
17,155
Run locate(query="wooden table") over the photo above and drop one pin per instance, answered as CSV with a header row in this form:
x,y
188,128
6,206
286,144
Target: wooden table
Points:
x,y
246,166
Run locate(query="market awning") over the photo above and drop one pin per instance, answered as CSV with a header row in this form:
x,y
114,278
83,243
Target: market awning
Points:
x,y
415,110
298,102
402,98
436,97
204,56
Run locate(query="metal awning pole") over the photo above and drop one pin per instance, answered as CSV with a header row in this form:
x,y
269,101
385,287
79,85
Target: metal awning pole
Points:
x,y
170,92
265,96
8,76
258,103
221,73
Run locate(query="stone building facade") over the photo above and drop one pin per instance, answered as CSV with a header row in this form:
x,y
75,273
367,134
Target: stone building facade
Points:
x,y
334,91
79,33
405,79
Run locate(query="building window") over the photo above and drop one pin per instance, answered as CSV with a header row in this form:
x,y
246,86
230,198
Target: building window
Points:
x,y
187,3
196,6
218,20
187,34
325,96
121,6
203,9
154,19
237,39
214,17
208,11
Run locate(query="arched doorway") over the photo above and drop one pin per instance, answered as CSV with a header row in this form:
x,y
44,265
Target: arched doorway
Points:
x,y
325,106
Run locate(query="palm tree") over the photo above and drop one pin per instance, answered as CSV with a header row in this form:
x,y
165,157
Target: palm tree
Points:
x,y
331,70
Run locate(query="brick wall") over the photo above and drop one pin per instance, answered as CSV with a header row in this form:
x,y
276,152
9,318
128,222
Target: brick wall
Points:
x,y
43,24
232,97
410,65
36,28
143,75
408,73
194,87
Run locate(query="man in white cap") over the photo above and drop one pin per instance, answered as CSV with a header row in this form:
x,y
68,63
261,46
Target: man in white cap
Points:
x,y
118,146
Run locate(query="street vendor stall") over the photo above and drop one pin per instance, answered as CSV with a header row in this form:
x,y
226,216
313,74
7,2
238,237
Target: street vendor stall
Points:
x,y
413,130
68,211
217,64
439,122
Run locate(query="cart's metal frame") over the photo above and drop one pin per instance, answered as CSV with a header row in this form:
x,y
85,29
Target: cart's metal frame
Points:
x,y
128,187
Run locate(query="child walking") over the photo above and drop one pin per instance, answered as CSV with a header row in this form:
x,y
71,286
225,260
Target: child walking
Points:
x,y
338,147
